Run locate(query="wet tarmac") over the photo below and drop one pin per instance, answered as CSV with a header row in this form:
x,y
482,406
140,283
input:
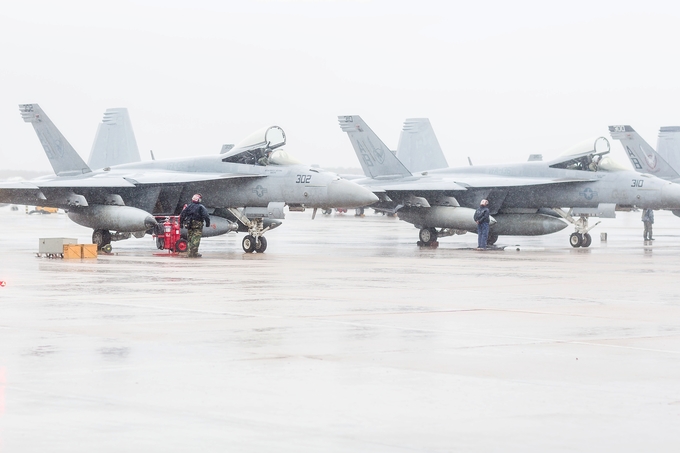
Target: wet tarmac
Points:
x,y
343,336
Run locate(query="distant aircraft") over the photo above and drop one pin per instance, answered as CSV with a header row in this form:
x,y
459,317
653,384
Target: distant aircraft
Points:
x,y
644,158
115,141
668,145
121,200
418,147
525,198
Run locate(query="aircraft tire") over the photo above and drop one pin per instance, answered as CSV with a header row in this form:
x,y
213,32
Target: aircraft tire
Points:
x,y
261,245
248,244
427,235
101,238
491,240
160,243
575,240
587,240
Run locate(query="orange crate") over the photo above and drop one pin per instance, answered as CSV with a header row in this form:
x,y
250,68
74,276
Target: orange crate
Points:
x,y
89,250
73,251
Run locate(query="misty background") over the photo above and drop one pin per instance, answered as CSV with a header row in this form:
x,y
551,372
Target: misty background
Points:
x,y
498,80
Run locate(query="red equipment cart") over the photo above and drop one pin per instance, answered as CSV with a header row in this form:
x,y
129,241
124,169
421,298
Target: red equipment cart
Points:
x,y
170,238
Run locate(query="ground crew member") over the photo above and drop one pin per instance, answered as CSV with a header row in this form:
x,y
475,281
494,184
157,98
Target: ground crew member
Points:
x,y
193,215
482,218
648,220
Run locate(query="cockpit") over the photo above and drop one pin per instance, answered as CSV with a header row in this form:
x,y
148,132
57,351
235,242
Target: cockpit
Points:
x,y
262,147
588,155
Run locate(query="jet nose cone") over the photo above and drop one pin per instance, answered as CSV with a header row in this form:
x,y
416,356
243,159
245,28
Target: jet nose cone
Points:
x,y
348,194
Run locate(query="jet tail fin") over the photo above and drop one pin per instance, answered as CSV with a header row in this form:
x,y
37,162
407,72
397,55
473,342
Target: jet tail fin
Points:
x,y
418,147
63,158
668,146
115,141
375,157
641,154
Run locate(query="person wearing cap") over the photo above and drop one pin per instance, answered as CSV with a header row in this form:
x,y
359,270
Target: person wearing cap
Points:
x,y
482,218
193,216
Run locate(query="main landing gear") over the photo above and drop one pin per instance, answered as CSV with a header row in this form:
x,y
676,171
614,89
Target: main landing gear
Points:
x,y
581,237
254,240
429,236
103,240
580,240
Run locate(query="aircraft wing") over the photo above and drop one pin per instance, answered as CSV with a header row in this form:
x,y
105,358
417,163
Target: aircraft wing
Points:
x,y
173,177
31,192
463,183
20,192
401,185
491,181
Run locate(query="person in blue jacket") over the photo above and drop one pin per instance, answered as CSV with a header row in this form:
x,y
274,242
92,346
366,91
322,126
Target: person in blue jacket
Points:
x,y
482,218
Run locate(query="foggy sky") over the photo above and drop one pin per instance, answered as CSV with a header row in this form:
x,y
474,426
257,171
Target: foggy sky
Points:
x,y
498,80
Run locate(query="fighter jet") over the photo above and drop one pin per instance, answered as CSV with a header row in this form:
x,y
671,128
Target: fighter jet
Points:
x,y
115,144
525,198
122,200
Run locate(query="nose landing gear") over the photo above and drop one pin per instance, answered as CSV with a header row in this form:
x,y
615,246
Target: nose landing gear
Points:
x,y
254,241
581,237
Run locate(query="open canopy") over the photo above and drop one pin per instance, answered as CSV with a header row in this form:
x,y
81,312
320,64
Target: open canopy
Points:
x,y
256,145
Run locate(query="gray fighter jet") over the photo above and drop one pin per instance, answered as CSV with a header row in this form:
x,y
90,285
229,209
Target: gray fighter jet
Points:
x,y
122,200
525,198
115,144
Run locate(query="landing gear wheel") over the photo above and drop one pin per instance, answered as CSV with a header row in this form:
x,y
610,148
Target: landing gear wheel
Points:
x,y
428,235
248,244
491,240
587,240
359,212
101,238
160,243
181,246
261,245
107,248
327,212
576,240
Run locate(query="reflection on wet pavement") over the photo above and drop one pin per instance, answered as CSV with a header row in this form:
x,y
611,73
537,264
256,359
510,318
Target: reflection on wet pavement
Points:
x,y
343,336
